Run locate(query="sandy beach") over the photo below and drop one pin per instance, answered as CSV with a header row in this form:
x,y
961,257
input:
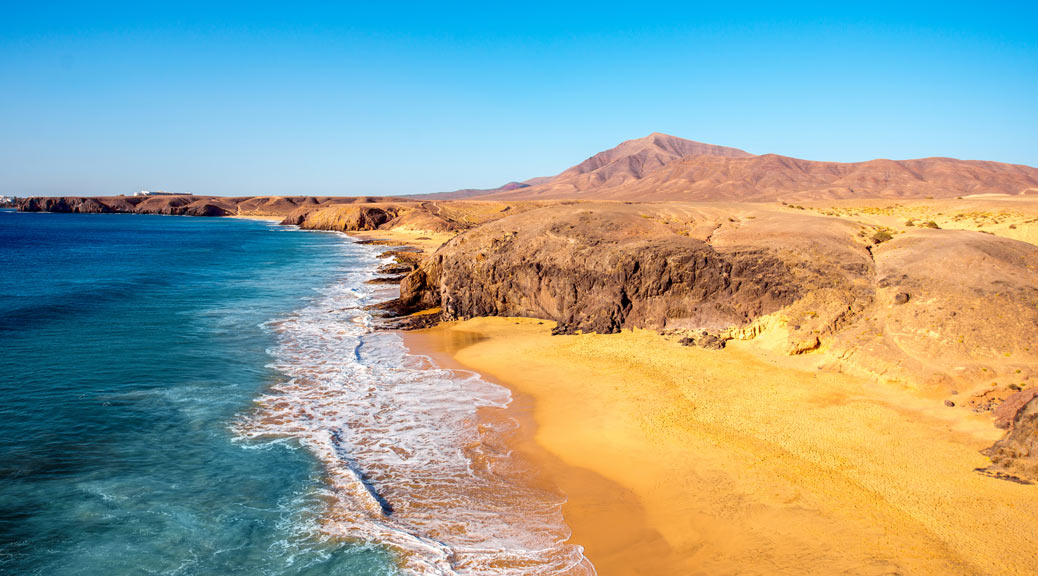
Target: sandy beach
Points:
x,y
680,460
256,217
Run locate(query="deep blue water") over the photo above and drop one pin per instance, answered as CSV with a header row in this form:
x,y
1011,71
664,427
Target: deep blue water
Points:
x,y
129,345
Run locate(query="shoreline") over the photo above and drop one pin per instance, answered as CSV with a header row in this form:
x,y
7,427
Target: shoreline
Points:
x,y
249,217
680,460
592,500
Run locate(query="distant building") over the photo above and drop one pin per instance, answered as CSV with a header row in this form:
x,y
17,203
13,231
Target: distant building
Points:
x,y
159,193
5,200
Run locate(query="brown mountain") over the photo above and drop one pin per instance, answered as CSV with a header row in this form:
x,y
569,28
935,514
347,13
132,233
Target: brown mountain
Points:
x,y
662,167
471,192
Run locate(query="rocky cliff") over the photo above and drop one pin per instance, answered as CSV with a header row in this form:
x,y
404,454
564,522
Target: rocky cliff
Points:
x,y
606,267
187,205
170,205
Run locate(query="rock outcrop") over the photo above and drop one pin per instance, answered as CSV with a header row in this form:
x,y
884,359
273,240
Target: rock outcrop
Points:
x,y
343,218
606,267
64,205
1015,456
188,205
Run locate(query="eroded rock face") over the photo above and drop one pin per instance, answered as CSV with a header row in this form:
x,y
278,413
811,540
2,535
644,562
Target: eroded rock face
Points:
x,y
600,268
1015,456
343,218
168,205
64,205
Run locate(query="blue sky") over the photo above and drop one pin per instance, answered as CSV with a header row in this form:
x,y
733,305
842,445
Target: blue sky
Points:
x,y
249,98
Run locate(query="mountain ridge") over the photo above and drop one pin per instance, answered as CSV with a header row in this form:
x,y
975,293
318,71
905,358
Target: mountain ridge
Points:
x,y
661,167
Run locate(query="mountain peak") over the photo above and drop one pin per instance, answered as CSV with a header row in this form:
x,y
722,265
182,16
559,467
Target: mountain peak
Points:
x,y
633,158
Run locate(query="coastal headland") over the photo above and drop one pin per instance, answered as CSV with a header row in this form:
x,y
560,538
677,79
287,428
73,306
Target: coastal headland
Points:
x,y
732,363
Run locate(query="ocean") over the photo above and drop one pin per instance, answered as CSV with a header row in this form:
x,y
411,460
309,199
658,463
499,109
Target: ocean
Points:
x,y
209,396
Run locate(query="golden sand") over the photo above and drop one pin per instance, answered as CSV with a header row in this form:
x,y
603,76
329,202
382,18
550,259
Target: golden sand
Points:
x,y
426,240
680,460
255,217
1014,217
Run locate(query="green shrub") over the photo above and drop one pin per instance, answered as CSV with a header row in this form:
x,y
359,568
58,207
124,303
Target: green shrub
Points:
x,y
881,236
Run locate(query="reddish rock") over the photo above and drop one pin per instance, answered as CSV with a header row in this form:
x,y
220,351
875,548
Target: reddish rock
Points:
x,y
1006,413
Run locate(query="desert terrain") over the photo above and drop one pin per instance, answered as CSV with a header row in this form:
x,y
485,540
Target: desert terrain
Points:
x,y
736,363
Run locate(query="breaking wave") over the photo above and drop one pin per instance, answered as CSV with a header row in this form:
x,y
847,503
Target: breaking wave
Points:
x,y
411,460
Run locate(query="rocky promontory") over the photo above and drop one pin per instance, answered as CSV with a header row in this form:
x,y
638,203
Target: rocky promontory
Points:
x,y
601,268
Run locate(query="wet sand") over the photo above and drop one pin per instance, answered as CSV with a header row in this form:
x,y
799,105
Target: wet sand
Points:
x,y
680,460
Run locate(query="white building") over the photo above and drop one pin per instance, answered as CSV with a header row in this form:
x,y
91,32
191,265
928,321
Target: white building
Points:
x,y
159,193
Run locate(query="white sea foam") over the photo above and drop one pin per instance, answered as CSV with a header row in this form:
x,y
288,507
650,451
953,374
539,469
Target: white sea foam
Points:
x,y
409,462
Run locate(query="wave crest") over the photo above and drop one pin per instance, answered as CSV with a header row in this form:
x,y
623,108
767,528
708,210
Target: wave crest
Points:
x,y
411,460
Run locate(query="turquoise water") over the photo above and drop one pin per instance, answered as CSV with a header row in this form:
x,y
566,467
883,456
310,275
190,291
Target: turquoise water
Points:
x,y
129,347
211,396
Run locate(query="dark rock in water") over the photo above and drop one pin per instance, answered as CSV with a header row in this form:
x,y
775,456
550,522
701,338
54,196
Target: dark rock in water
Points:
x,y
901,298
412,322
385,280
396,268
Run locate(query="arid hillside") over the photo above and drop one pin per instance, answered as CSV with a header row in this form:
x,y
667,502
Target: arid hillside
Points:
x,y
661,167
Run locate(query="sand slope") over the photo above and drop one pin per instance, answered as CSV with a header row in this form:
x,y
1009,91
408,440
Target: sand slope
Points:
x,y
681,460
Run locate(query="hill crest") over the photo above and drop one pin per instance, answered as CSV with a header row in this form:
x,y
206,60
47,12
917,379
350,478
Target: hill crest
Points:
x,y
660,167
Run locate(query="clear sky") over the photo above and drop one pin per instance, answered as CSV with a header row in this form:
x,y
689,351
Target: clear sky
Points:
x,y
394,98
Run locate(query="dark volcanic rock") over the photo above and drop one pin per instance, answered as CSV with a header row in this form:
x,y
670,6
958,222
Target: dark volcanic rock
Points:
x,y
205,209
385,280
706,340
176,205
63,205
598,269
396,268
1016,454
